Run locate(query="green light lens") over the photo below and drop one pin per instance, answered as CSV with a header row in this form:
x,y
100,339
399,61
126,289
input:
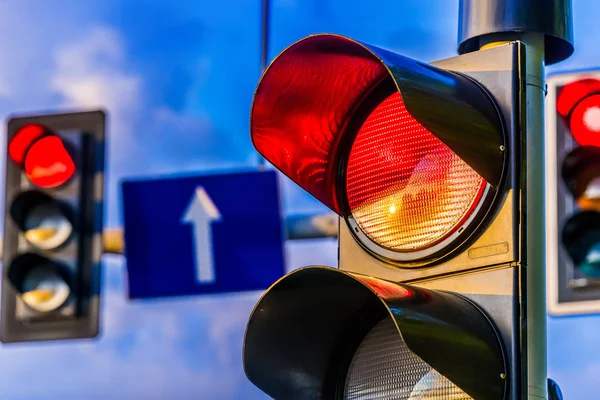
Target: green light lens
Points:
x,y
591,265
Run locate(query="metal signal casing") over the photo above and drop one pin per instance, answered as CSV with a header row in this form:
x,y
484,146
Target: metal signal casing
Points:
x,y
493,20
499,242
293,352
486,267
475,106
570,292
80,257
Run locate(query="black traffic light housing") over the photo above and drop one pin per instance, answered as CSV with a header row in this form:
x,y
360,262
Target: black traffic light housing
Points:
x,y
53,215
573,196
313,112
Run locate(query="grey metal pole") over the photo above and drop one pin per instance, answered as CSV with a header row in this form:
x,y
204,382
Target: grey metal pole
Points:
x,y
297,227
535,229
264,52
485,21
264,32
545,26
318,226
533,200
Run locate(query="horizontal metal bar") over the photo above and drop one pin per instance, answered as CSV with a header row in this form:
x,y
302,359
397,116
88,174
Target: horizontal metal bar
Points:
x,y
312,226
297,227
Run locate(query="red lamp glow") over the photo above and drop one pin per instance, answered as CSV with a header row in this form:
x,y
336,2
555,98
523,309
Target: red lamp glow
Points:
x,y
48,163
406,189
585,121
579,103
22,141
409,164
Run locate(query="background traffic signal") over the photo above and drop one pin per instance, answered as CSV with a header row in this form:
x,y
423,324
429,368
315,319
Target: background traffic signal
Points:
x,y
52,226
424,165
573,197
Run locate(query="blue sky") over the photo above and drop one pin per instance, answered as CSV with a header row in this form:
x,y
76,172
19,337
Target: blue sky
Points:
x,y
178,79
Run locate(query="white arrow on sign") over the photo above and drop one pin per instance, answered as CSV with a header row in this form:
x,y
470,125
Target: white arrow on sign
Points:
x,y
202,212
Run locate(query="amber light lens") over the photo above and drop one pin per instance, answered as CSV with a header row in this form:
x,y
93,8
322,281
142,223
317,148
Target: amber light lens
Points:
x,y
406,189
581,174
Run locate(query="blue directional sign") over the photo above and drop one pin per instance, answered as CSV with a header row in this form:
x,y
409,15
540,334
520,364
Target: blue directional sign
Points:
x,y
203,234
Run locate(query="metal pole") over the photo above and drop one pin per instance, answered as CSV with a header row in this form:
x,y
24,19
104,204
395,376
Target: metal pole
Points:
x,y
533,200
535,225
264,53
535,230
536,217
312,226
545,26
264,50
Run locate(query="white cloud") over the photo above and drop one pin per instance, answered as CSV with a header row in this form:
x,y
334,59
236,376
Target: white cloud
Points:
x,y
89,73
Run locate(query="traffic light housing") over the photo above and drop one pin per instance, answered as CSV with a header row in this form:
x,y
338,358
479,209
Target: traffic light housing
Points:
x,y
52,244
426,166
573,196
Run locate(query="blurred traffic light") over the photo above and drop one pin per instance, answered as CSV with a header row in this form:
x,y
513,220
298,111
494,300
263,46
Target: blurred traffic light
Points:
x,y
424,164
573,162
53,227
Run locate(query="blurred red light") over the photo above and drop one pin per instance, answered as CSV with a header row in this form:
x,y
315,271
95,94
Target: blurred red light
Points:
x,y
22,141
48,164
585,121
406,189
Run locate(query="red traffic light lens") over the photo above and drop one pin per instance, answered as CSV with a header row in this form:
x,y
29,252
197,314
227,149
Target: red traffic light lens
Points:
x,y
312,97
406,189
48,163
573,92
585,121
22,141
301,107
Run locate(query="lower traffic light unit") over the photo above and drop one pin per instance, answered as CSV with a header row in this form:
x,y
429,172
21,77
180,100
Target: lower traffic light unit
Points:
x,y
324,333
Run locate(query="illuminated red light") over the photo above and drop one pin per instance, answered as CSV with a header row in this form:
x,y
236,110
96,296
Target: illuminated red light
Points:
x,y
406,189
318,117
310,93
585,121
48,163
573,93
22,141
579,104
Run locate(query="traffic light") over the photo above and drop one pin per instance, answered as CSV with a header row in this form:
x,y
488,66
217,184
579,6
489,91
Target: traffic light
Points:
x,y
573,185
425,164
52,227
